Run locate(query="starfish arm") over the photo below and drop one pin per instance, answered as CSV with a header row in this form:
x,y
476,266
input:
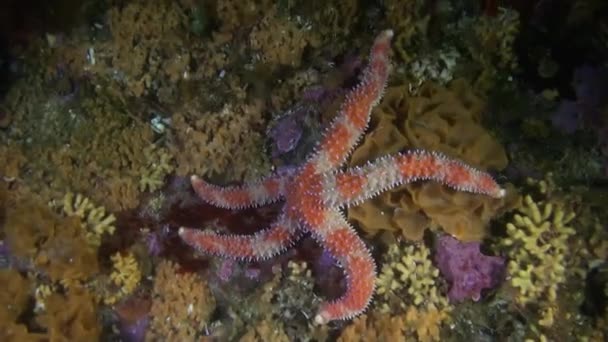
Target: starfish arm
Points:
x,y
355,185
352,120
342,242
241,196
259,246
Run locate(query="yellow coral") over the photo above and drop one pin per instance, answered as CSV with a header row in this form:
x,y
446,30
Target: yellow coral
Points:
x,y
414,325
409,276
43,291
426,322
538,236
159,163
408,283
95,220
126,275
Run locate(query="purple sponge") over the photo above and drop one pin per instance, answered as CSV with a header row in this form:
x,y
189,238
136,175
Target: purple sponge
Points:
x,y
466,269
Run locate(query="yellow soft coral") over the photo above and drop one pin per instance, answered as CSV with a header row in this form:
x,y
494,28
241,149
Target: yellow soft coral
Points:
x,y
409,277
408,282
539,235
126,276
159,163
94,219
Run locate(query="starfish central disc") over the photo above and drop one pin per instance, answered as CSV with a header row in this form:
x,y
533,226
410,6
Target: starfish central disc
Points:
x,y
316,191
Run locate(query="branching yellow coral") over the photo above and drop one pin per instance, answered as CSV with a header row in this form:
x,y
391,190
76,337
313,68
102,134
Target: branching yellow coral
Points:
x,y
159,163
94,219
125,275
43,291
409,269
538,236
408,283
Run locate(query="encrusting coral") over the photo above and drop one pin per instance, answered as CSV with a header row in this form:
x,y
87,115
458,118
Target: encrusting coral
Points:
x,y
181,305
441,119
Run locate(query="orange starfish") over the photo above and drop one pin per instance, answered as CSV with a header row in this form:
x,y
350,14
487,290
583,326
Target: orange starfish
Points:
x,y
315,192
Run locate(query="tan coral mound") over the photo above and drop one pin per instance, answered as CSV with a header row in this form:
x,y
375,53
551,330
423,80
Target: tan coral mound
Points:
x,y
57,246
228,142
13,301
286,48
440,119
181,305
415,325
71,317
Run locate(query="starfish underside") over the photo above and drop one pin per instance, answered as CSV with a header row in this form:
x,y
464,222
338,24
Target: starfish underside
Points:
x,y
315,192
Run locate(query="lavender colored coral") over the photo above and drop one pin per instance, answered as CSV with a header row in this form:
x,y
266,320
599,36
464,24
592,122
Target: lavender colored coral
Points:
x,y
467,270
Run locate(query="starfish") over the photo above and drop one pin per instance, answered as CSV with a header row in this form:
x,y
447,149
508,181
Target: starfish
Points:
x,y
315,192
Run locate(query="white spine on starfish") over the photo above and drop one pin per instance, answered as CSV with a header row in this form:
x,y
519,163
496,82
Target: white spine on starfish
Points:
x,y
241,196
338,237
361,183
261,245
328,156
